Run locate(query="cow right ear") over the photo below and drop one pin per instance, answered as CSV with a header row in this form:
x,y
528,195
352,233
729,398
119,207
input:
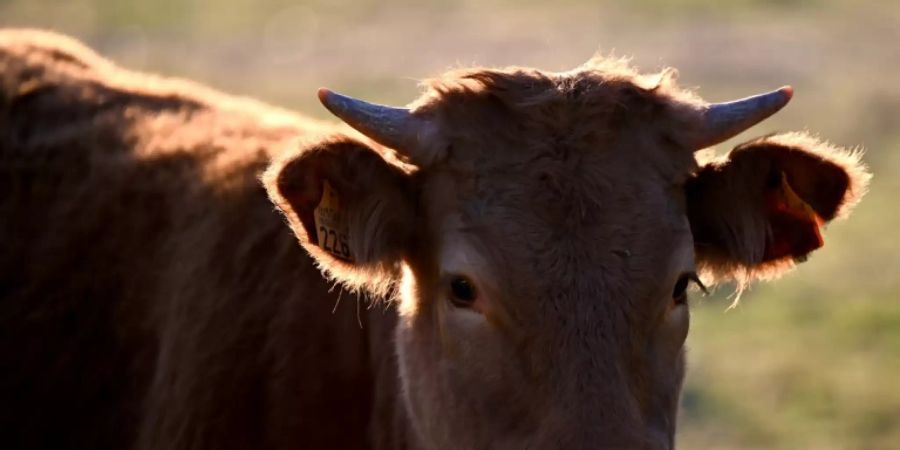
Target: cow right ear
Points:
x,y
350,209
761,208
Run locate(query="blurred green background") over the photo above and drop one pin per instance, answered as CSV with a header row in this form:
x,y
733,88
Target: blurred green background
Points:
x,y
809,361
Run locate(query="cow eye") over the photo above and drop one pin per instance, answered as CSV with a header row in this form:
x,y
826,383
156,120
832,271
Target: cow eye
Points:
x,y
679,293
462,292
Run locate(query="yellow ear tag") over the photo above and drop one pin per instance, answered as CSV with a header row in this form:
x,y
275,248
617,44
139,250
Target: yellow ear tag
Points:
x,y
332,229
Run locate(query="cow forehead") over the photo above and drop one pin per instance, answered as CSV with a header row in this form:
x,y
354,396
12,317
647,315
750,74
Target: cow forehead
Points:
x,y
599,184
562,131
551,221
535,112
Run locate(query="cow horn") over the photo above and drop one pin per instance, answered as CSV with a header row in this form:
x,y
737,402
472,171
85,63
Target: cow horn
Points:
x,y
722,121
392,127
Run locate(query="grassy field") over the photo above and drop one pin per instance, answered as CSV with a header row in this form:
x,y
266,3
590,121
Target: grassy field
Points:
x,y
809,361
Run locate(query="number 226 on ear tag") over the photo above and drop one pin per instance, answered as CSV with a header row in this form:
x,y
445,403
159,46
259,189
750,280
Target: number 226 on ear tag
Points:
x,y
332,230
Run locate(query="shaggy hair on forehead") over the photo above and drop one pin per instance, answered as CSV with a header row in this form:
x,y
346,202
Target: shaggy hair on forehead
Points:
x,y
600,82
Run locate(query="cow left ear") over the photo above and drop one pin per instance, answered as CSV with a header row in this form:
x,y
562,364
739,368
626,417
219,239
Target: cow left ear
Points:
x,y
349,207
761,208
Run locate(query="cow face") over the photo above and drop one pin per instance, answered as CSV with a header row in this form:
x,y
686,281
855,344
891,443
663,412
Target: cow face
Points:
x,y
542,230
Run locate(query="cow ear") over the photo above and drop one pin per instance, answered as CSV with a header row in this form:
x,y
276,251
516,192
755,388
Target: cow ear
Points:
x,y
350,209
760,209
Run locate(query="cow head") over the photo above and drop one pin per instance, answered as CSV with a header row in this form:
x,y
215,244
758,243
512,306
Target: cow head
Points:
x,y
543,229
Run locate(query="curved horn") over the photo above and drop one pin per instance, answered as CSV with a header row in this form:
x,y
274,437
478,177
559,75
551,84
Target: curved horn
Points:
x,y
392,127
722,121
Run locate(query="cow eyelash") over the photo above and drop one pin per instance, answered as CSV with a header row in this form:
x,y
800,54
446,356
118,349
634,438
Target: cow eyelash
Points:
x,y
679,293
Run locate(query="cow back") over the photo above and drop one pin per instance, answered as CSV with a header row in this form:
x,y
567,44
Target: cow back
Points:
x,y
150,297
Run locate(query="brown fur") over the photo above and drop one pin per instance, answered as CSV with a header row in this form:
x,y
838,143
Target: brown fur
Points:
x,y
151,299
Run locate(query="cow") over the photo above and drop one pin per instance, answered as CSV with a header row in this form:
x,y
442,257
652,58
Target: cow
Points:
x,y
504,263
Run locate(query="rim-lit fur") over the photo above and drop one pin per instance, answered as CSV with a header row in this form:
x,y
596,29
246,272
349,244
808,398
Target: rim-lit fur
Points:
x,y
152,297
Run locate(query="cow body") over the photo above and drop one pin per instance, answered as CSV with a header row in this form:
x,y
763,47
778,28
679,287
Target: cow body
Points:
x,y
533,235
150,296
